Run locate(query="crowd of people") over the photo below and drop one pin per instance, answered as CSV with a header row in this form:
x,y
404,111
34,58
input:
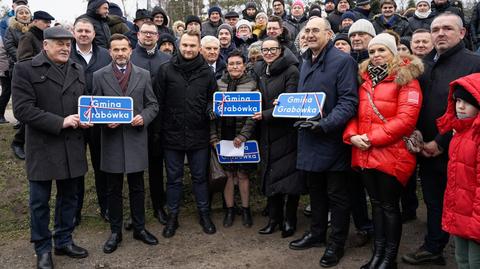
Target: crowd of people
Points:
x,y
402,99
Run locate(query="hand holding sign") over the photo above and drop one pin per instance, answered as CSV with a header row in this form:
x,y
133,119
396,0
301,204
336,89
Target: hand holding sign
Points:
x,y
71,121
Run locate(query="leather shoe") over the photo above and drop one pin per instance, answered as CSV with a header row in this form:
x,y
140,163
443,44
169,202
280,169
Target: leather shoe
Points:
x,y
269,228
207,224
161,215
288,228
307,241
18,151
331,257
171,227
146,237
112,243
72,251
44,261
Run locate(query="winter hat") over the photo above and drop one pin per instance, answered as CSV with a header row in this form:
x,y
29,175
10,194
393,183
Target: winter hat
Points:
x,y
243,22
362,26
298,3
419,1
23,7
262,14
405,40
166,37
23,2
141,14
114,9
328,1
342,36
349,15
94,4
214,9
465,95
251,5
231,14
314,13
363,2
192,18
225,26
18,8
386,40
281,2
42,15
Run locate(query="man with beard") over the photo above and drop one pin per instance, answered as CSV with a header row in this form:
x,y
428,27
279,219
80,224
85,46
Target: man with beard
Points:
x,y
225,35
214,20
97,13
166,44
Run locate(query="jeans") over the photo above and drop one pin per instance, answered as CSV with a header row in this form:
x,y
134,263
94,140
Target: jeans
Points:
x,y
66,202
329,190
467,253
198,161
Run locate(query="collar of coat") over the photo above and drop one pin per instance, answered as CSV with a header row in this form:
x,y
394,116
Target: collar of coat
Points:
x,y
41,59
460,46
321,57
37,32
401,71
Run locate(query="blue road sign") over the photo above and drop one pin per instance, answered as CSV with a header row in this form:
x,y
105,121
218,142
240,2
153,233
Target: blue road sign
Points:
x,y
251,154
299,105
105,109
237,104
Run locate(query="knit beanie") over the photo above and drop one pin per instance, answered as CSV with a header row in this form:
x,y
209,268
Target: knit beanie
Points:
x,y
166,37
192,18
298,3
363,2
386,40
262,14
225,26
465,95
419,1
114,9
342,36
349,15
362,26
243,22
214,9
251,5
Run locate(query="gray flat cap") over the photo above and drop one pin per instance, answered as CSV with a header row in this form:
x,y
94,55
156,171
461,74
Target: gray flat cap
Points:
x,y
57,32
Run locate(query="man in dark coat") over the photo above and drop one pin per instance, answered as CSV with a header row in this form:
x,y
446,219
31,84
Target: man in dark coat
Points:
x,y
210,50
147,56
167,44
321,153
160,18
91,57
389,20
335,17
441,67
141,16
184,88
214,20
124,146
45,91
97,13
30,44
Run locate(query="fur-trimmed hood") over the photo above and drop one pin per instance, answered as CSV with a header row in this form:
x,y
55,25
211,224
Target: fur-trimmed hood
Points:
x,y
14,24
402,70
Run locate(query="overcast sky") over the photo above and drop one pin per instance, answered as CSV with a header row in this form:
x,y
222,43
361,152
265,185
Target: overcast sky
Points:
x,y
68,10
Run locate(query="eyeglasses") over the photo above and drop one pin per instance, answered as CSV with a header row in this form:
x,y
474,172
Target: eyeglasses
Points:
x,y
272,50
148,33
313,30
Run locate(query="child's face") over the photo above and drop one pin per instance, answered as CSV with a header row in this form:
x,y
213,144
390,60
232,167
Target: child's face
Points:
x,y
464,109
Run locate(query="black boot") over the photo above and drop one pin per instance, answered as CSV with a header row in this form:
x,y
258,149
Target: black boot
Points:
x,y
289,227
377,257
379,231
247,217
160,215
390,260
171,226
270,228
229,217
393,231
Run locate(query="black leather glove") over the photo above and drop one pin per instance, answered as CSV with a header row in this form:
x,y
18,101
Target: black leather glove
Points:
x,y
311,125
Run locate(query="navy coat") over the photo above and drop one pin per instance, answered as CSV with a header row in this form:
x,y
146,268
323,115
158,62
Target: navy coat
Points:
x,y
150,63
335,74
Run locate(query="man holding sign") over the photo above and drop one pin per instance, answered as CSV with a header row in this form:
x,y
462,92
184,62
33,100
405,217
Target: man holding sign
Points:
x,y
124,146
321,152
45,90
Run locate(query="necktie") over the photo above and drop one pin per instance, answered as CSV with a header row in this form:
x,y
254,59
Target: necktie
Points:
x,y
122,70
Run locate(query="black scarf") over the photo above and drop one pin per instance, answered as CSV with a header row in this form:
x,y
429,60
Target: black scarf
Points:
x,y
377,73
188,66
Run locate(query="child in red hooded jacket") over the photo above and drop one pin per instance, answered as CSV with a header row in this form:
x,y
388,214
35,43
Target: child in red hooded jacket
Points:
x,y
461,204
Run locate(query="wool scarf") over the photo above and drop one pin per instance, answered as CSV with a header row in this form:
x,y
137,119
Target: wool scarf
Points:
x,y
377,73
122,78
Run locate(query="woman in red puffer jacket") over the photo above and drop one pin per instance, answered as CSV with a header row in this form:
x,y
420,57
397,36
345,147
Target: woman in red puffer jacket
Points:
x,y
461,203
376,133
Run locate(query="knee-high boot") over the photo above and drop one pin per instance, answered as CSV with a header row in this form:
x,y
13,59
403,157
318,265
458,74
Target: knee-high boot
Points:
x,y
379,236
393,231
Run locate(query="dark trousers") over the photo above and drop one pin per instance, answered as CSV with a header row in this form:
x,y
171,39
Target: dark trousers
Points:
x,y
358,200
19,137
92,138
328,190
384,191
433,176
155,180
283,207
66,201
136,195
174,164
6,92
409,197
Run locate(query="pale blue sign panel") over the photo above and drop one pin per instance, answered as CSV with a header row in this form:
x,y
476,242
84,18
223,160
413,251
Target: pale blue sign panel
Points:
x,y
299,105
105,109
251,154
237,104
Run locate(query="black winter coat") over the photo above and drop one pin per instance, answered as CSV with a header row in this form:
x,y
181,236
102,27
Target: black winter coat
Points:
x,y
184,92
150,63
418,23
100,59
102,30
400,26
435,86
278,142
30,44
42,97
335,20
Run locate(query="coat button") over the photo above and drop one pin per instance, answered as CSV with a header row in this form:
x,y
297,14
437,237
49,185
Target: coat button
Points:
x,y
42,77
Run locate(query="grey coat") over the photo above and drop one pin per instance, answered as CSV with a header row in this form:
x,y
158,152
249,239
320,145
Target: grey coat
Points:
x,y
124,149
42,98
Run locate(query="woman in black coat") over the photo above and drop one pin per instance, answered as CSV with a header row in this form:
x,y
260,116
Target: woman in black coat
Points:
x,y
277,74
